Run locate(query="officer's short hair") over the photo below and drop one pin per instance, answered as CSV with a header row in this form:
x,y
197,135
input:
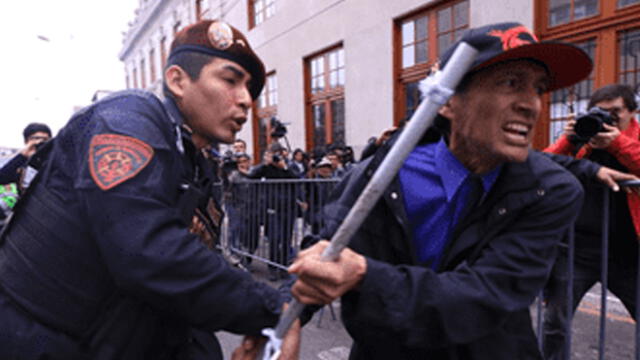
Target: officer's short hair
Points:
x,y
612,92
191,62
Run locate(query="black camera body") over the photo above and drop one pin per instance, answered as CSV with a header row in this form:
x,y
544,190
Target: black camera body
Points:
x,y
229,162
592,122
276,159
278,129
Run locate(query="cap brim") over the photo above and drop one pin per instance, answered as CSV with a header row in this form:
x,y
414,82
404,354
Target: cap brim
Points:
x,y
566,63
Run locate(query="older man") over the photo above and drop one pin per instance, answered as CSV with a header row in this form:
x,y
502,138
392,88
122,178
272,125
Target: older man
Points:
x,y
448,262
99,262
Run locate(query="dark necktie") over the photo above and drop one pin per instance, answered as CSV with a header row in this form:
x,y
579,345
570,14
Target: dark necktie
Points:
x,y
476,191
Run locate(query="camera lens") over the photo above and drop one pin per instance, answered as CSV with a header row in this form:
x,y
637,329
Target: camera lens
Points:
x,y
588,126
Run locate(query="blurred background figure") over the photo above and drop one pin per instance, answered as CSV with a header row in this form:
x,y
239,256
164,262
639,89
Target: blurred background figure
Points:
x,y
34,134
299,163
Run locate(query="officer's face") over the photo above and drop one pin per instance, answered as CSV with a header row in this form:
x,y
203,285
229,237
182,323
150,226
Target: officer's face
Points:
x,y
492,120
215,106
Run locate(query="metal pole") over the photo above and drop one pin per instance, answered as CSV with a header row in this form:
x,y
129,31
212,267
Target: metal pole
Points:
x,y
604,264
426,112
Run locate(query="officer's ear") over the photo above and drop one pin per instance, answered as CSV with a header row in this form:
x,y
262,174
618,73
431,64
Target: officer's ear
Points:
x,y
177,80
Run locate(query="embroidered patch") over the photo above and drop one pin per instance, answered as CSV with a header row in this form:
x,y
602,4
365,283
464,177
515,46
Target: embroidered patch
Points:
x,y
511,38
114,159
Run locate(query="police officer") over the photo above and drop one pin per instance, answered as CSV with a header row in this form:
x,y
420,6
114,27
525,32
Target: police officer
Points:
x,y
98,261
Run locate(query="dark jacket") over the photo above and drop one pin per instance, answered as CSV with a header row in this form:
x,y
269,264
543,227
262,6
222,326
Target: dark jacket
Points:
x,y
9,173
476,304
84,268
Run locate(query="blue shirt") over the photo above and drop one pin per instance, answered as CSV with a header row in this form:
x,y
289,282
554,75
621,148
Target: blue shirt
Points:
x,y
436,188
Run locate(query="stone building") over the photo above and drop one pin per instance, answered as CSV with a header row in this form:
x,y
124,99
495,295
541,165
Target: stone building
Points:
x,y
342,71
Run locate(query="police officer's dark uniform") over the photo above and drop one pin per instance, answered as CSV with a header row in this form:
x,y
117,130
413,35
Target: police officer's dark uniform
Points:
x,y
98,261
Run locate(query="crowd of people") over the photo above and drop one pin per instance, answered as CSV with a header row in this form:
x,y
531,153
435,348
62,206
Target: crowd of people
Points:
x,y
110,251
329,161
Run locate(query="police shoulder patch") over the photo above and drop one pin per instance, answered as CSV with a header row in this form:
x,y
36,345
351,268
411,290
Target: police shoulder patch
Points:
x,y
114,159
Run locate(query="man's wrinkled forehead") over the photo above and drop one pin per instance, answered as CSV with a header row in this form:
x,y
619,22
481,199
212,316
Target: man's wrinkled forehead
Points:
x,y
519,67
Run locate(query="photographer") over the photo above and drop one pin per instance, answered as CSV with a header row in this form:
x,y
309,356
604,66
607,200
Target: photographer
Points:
x,y
34,134
280,205
609,135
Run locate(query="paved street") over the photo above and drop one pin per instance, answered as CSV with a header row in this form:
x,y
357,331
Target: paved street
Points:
x,y
325,338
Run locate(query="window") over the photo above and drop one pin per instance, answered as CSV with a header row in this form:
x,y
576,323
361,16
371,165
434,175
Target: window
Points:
x,y
421,39
609,31
573,99
629,58
325,98
266,108
565,11
452,22
623,3
152,66
142,75
260,10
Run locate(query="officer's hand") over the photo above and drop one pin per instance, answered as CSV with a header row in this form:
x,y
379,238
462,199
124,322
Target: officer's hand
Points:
x,y
611,177
249,348
602,140
321,282
198,228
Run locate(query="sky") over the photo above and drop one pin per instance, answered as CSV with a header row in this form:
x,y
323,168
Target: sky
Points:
x,y
55,55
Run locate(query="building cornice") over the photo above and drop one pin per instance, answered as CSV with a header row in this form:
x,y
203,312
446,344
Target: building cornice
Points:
x,y
135,33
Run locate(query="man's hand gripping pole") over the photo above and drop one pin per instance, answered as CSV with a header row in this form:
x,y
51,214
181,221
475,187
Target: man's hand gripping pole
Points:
x,y
438,88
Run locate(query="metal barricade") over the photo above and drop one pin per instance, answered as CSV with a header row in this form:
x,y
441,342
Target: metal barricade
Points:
x,y
569,249
268,218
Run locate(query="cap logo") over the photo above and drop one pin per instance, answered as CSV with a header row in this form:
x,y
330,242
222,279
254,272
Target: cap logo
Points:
x,y
511,38
220,35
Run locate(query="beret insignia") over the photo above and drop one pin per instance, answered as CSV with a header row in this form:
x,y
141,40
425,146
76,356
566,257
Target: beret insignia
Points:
x,y
113,159
220,35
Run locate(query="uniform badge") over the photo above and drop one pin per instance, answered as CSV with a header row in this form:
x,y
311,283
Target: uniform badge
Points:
x,y
113,159
220,35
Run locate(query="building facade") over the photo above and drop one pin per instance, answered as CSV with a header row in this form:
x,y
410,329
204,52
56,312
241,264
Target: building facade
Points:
x,y
342,71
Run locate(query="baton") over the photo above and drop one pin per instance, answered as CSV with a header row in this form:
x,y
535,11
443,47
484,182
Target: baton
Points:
x,y
436,94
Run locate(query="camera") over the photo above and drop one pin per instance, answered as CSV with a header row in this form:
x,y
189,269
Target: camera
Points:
x,y
592,122
276,159
229,162
278,129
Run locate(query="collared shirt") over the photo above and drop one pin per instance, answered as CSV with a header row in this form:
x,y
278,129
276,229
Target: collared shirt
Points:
x,y
436,188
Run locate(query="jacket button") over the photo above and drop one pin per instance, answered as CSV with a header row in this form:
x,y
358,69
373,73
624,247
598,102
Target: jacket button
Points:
x,y
502,211
541,192
394,195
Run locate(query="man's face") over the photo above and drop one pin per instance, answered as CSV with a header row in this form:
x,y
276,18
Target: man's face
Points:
x,y
492,121
335,160
324,172
616,106
239,147
243,164
38,137
216,105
